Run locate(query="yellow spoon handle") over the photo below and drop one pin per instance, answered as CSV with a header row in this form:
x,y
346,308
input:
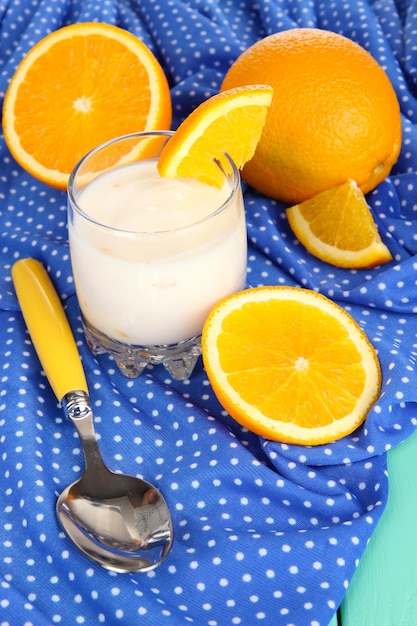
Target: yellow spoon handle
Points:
x,y
48,327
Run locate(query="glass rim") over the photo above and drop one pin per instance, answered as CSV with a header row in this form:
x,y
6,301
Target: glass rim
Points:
x,y
153,133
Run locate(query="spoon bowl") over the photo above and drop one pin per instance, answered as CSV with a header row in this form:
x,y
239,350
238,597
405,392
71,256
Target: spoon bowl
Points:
x,y
111,544
119,521
121,533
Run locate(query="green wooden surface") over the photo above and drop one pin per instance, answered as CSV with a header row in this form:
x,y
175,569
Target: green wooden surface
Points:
x,y
383,591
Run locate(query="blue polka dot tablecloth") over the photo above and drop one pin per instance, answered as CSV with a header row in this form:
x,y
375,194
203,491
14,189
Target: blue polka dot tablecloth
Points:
x,y
265,533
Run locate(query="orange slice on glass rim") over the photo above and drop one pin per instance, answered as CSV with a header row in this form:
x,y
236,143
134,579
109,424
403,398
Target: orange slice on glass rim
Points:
x,y
290,364
76,88
230,122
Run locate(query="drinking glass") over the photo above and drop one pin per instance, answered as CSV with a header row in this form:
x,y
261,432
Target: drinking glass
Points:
x,y
150,255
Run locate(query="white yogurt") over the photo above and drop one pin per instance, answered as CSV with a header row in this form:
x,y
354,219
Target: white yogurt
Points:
x,y
153,272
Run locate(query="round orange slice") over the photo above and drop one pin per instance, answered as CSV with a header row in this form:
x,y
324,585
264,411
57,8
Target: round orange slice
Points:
x,y
78,87
337,226
230,122
289,364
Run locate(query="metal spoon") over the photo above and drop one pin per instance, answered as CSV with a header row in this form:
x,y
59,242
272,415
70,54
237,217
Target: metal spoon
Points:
x,y
120,521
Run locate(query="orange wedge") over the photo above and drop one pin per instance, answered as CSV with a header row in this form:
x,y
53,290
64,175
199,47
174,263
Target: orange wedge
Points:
x,y
78,87
230,122
289,364
337,226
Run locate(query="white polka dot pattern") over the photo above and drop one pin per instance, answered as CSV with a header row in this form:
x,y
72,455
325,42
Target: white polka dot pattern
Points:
x,y
264,533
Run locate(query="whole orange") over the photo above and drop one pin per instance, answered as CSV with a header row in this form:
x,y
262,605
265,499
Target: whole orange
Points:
x,y
334,114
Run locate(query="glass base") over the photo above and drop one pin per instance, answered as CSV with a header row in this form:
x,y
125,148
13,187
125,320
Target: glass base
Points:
x,y
178,359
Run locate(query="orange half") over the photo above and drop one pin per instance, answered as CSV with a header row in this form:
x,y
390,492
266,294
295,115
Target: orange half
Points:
x,y
289,364
78,87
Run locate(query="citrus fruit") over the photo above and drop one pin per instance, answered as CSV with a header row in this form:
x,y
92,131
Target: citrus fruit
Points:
x,y
289,364
78,87
230,122
337,226
334,115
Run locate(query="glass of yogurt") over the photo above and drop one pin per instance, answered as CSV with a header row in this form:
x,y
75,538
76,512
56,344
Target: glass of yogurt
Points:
x,y
151,255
